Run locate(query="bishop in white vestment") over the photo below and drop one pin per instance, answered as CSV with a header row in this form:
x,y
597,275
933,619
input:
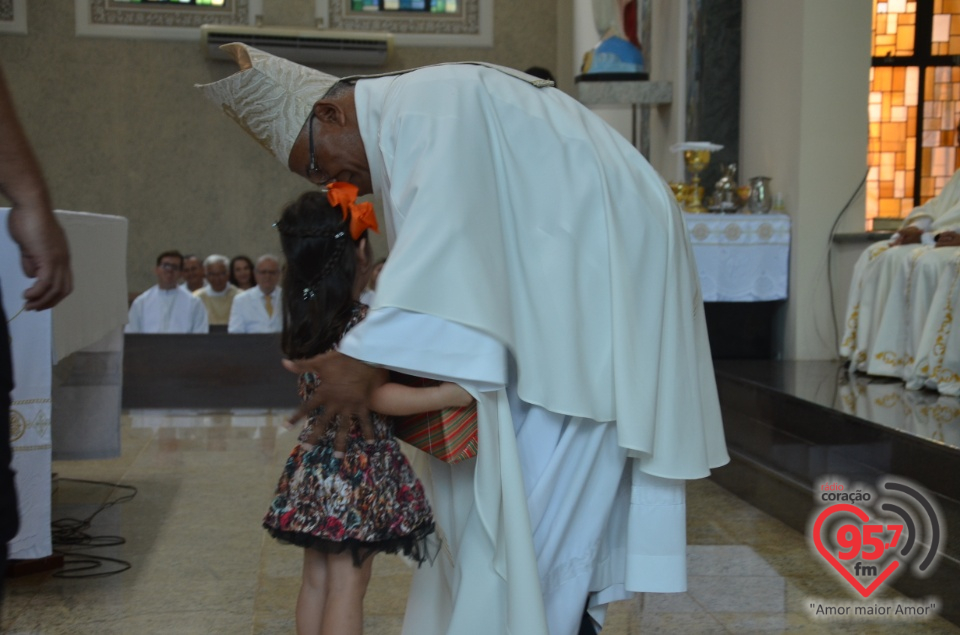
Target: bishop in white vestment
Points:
x,y
540,262
893,285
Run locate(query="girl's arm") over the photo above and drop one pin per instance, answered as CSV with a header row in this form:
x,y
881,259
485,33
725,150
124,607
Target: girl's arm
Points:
x,y
399,400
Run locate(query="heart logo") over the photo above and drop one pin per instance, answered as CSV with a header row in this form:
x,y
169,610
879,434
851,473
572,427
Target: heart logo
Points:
x,y
865,591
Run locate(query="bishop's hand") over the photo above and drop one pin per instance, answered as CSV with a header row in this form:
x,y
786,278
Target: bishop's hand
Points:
x,y
343,392
909,235
948,239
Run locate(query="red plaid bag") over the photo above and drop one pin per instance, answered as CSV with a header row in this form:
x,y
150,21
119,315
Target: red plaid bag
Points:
x,y
449,434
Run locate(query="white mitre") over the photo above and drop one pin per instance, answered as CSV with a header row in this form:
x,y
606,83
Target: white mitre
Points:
x,y
270,97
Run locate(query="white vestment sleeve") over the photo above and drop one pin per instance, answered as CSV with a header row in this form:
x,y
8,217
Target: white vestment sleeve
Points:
x,y
200,321
235,322
135,318
428,346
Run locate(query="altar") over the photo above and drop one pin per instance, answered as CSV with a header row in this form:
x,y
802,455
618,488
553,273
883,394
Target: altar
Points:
x,y
743,261
67,366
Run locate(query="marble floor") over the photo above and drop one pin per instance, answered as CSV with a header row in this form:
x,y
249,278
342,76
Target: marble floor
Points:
x,y
199,562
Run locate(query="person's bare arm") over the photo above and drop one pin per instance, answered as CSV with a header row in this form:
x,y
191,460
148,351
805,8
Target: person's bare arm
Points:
x,y
44,253
399,400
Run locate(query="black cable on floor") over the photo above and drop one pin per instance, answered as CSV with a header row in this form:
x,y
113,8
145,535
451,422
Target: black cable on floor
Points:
x,y
70,535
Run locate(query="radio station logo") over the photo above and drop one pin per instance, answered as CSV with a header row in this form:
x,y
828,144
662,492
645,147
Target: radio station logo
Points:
x,y
871,536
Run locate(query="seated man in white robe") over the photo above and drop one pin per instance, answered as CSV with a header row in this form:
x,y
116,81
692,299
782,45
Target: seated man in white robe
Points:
x,y
257,310
538,260
192,274
166,307
880,286
937,362
912,287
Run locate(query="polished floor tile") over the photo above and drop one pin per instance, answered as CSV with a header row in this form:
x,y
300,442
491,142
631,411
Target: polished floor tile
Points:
x,y
882,400
199,562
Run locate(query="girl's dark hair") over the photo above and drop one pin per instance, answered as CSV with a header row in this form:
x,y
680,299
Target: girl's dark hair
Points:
x,y
319,277
233,278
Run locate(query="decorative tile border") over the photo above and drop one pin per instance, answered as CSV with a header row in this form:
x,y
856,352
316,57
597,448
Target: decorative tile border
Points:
x,y
108,18
472,26
13,16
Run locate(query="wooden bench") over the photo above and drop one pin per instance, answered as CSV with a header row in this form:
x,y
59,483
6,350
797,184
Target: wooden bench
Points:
x,y
216,370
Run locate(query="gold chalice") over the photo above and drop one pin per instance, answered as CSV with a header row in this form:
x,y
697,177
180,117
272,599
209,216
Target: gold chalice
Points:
x,y
696,162
679,191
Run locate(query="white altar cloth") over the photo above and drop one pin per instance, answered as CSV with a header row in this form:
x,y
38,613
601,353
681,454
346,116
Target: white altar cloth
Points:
x,y
29,406
90,319
741,257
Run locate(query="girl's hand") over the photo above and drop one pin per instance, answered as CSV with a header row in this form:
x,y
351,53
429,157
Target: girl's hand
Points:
x,y
453,395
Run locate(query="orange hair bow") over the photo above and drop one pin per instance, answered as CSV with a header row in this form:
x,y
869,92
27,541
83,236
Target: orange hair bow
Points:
x,y
362,216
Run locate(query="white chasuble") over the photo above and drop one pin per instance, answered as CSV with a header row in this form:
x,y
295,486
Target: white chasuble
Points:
x,y
517,214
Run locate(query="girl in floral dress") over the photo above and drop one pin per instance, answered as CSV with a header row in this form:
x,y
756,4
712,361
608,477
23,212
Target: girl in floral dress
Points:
x,y
343,507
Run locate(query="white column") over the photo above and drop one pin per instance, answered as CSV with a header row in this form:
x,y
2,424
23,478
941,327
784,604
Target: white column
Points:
x,y
803,114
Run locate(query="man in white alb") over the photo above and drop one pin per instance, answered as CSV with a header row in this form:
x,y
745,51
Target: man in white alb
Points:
x,y
537,260
258,310
166,307
218,294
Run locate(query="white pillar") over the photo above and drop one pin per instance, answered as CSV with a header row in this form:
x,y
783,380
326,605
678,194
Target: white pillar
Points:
x,y
803,122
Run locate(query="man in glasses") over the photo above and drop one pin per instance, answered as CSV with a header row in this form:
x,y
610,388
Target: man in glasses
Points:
x,y
166,307
258,310
537,260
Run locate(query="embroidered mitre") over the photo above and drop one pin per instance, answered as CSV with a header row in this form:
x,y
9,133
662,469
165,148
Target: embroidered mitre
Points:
x,y
270,97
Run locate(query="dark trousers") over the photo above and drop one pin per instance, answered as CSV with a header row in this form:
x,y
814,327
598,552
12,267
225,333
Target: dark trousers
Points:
x,y
9,518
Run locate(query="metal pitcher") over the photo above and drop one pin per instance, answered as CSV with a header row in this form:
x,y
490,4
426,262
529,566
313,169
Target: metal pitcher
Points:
x,y
760,200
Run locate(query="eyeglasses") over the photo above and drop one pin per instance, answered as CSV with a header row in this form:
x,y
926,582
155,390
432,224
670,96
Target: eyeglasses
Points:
x,y
313,168
169,266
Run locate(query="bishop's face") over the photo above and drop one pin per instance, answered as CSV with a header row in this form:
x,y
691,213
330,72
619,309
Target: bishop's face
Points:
x,y
338,152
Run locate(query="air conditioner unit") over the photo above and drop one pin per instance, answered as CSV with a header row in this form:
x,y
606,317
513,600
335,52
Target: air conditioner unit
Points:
x,y
305,46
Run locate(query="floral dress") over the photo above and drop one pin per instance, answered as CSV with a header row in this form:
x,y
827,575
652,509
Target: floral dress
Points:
x,y
367,500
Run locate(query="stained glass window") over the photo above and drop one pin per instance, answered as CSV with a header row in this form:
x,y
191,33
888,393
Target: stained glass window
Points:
x,y
432,6
945,34
914,104
198,3
894,27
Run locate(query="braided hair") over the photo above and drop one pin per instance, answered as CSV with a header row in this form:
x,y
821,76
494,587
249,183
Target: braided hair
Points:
x,y
319,277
